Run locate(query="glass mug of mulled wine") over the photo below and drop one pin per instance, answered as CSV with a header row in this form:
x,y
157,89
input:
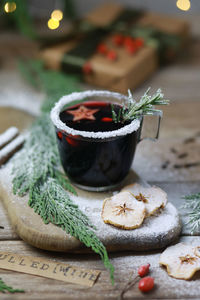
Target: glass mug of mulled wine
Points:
x,y
96,152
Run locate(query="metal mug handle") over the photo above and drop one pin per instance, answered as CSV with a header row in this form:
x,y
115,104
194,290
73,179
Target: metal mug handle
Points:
x,y
155,136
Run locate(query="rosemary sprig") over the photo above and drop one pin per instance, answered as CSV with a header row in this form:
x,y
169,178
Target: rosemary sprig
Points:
x,y
145,106
4,287
114,115
192,204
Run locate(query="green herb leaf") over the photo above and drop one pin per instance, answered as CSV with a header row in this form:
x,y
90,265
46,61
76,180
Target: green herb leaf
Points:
x,y
4,287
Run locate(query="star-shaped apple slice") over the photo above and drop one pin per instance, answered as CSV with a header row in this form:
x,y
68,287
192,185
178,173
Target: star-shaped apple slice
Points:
x,y
153,197
123,210
83,113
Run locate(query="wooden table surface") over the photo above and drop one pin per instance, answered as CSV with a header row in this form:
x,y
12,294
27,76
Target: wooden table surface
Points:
x,y
154,162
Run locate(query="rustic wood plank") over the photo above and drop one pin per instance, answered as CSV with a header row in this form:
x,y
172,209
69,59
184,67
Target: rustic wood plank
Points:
x,y
125,263
6,233
180,123
151,158
10,116
30,227
179,82
175,191
180,119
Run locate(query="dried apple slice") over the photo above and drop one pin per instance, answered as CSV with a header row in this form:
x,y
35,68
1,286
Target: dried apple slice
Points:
x,y
181,261
153,197
123,211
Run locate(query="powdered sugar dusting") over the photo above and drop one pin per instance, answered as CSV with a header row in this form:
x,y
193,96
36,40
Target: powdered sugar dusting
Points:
x,y
156,231
133,126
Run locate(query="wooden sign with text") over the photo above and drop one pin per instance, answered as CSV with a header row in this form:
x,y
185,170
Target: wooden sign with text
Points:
x,y
47,268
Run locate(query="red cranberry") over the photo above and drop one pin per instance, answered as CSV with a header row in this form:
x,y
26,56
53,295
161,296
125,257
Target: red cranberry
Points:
x,y
146,284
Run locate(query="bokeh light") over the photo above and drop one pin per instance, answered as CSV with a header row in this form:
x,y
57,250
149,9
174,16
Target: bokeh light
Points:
x,y
57,15
183,4
53,24
10,7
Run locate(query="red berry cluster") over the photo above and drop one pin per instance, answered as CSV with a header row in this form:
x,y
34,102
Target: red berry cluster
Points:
x,y
132,45
108,53
147,283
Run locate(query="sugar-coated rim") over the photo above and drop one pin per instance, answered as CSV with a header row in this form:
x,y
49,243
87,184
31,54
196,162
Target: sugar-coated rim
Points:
x,y
55,112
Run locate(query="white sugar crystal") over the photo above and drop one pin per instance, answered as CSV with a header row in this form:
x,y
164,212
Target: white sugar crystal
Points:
x,y
133,126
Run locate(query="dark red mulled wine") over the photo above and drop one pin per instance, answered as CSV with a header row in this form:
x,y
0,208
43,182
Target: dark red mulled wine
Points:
x,y
95,162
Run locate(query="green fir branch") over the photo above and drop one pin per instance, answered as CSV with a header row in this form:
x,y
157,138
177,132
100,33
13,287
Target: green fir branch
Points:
x,y
5,288
192,205
37,173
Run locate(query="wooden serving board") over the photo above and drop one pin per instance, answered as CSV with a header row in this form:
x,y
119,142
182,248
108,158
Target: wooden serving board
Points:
x,y
156,231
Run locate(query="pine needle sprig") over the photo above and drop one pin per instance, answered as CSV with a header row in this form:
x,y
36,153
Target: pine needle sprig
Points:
x,y
145,106
36,168
40,159
192,205
5,288
39,176
193,197
114,115
64,213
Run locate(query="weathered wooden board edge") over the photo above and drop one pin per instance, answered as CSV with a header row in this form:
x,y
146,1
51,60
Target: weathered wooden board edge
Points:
x,y
54,238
